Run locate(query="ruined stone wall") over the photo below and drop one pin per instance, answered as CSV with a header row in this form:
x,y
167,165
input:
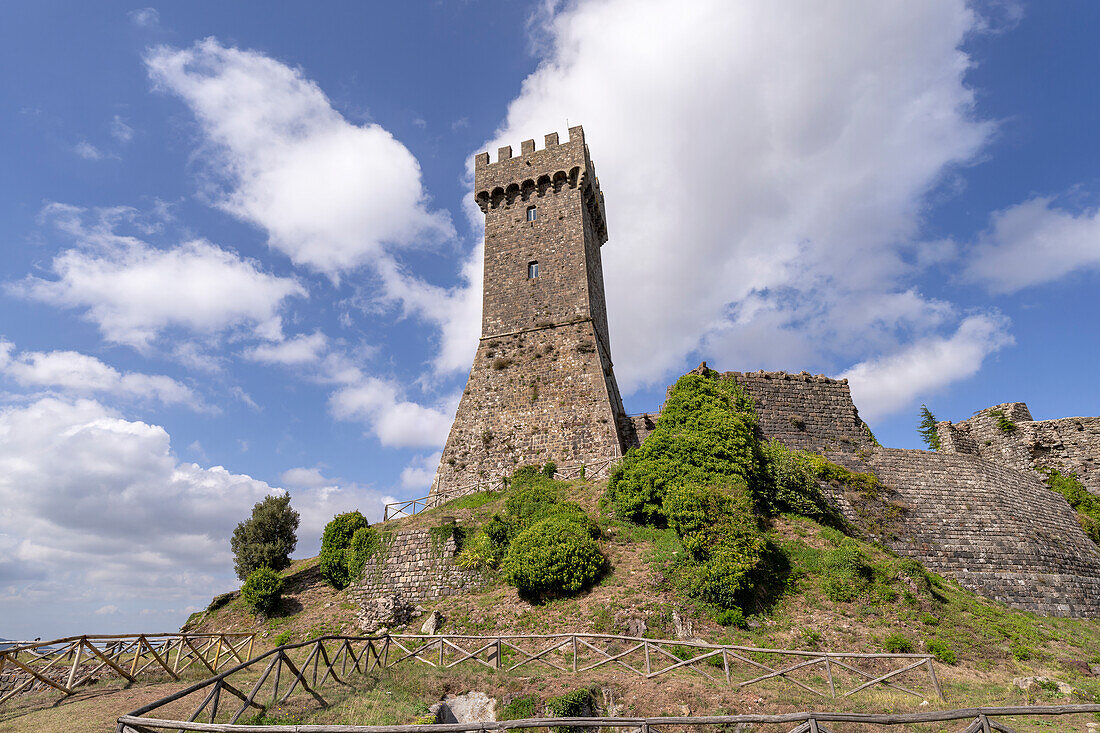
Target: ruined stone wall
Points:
x,y
1069,444
410,569
804,411
998,531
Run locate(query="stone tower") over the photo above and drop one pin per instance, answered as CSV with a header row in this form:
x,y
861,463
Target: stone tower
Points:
x,y
541,387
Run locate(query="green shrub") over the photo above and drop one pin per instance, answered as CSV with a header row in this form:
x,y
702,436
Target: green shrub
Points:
x,y
556,556
521,708
705,435
266,539
283,637
897,644
263,590
478,554
334,541
576,704
731,617
929,620
1021,652
499,531
1004,422
942,651
334,567
549,469
339,531
365,544
792,484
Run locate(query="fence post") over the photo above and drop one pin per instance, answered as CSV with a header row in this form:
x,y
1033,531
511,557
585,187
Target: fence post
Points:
x,y
574,652
829,672
935,681
985,724
500,649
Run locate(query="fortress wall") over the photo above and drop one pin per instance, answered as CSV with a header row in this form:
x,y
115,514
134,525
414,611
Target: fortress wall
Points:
x,y
805,412
1069,444
998,531
414,569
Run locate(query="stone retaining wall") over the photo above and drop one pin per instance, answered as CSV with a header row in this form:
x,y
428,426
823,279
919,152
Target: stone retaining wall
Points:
x,y
411,569
998,531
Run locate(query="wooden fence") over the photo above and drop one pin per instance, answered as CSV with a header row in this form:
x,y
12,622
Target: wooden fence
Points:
x,y
978,720
332,659
598,469
63,665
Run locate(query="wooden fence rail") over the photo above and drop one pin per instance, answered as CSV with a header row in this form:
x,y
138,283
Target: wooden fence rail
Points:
x,y
598,469
308,666
979,720
65,664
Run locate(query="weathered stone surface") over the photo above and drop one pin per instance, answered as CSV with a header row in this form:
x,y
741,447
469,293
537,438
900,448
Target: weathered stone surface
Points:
x,y
472,707
410,569
542,386
1068,444
682,625
998,531
432,623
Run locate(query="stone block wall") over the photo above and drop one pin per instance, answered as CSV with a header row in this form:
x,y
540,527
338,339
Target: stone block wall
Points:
x,y
805,411
1000,532
412,569
1068,444
531,398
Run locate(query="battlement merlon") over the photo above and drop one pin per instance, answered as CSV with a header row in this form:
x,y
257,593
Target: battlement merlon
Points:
x,y
533,172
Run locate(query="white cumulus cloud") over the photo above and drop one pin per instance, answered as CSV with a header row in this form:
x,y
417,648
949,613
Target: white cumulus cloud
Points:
x,y
332,195
889,383
72,371
134,291
1035,242
302,349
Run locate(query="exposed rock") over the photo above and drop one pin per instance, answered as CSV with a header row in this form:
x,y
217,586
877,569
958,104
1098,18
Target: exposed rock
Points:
x,y
1095,669
432,623
473,707
683,626
388,610
1035,685
636,627
220,600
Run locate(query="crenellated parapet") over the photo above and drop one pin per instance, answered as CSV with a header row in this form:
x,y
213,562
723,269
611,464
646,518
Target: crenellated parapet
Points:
x,y
536,173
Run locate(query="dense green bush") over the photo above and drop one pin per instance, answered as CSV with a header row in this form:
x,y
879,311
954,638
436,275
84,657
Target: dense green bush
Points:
x,y
365,544
334,542
1086,504
555,556
792,482
520,708
731,617
706,435
266,539
339,531
263,590
580,703
478,554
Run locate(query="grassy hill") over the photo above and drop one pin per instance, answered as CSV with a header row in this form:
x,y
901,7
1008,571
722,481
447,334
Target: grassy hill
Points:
x,y
894,607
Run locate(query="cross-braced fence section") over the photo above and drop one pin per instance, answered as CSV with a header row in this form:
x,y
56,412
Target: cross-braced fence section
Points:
x,y
974,720
598,469
63,665
825,674
305,668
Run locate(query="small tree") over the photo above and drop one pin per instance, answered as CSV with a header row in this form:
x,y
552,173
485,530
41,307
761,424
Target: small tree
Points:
x,y
263,590
927,428
267,538
334,541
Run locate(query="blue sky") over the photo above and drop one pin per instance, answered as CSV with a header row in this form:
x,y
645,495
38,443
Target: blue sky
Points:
x,y
241,253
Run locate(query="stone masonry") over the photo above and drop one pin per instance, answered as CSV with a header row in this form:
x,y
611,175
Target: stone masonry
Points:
x,y
542,386
1068,444
410,569
998,531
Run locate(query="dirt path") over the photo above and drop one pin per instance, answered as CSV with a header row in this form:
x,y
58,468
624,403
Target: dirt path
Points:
x,y
94,711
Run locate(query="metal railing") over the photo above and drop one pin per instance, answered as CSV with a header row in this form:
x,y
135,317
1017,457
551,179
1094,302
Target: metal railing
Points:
x,y
598,469
332,659
63,665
